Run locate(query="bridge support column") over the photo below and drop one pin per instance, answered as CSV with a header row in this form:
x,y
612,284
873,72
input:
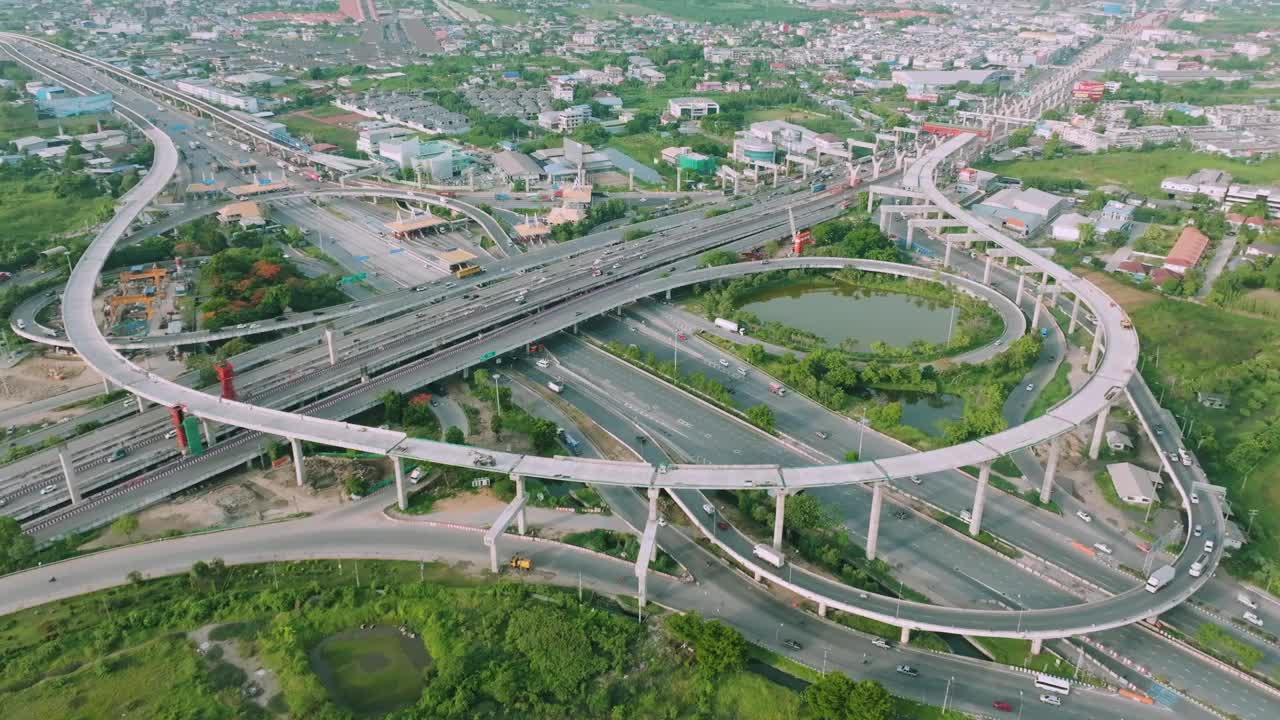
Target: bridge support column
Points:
x,y
1094,349
1050,469
69,473
208,436
1036,645
779,512
493,558
871,200
668,293
873,532
822,609
328,339
520,516
466,373
1075,310
1099,427
106,385
986,272
141,402
905,636
1022,281
575,328
298,469
402,499
1038,301
979,497
946,255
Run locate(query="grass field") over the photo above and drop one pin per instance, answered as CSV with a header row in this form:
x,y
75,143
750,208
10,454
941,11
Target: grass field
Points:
x,y
370,672
646,148
1140,172
1205,348
20,121
25,214
303,126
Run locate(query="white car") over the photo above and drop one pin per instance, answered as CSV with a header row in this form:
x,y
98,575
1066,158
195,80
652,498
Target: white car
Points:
x,y
1031,386
1195,499
1254,619
881,643
1198,531
1102,548
46,489
724,363
1084,516
254,326
1050,700
916,479
1208,546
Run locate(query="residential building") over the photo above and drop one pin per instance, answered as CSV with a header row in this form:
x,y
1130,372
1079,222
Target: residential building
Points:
x,y
1134,485
972,180
1066,228
1212,183
513,166
1115,216
1187,251
567,120
1258,249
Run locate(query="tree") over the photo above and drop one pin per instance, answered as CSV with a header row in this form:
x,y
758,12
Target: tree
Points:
x,y
804,512
392,407
16,547
355,486
126,525
717,647
1087,233
1115,238
715,258
761,416
835,697
454,435
135,578
1018,138
1094,201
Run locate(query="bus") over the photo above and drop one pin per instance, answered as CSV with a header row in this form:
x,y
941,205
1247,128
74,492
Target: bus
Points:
x,y
1198,566
465,270
1053,684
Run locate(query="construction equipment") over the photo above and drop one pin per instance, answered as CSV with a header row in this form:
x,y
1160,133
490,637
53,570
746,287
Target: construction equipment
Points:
x,y
519,562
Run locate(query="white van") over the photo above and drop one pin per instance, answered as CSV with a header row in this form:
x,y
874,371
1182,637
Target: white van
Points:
x,y
544,363
415,475
22,324
1247,601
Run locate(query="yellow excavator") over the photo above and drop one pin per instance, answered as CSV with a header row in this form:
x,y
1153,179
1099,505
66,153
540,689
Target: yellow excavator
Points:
x,y
519,562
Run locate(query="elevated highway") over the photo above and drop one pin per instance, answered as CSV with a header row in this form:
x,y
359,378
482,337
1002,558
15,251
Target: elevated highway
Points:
x,y
1117,366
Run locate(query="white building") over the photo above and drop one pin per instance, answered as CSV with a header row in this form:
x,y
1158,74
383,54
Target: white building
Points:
x,y
203,90
567,120
374,133
1067,227
1213,183
1134,485
692,107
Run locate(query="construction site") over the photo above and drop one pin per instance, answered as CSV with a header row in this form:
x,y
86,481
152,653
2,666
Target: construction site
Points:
x,y
144,300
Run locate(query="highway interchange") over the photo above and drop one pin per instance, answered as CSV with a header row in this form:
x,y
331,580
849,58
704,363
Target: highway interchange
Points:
x,y
1003,523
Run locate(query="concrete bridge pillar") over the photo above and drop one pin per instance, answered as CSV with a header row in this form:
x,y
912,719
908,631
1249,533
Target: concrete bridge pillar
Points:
x,y
986,271
1099,427
1036,645
142,403
298,470
1022,283
946,255
466,373
1094,350
1050,469
779,512
979,498
905,636
402,498
520,516
822,609
1035,314
654,493
69,474
873,533
208,436
328,339
668,293
1075,310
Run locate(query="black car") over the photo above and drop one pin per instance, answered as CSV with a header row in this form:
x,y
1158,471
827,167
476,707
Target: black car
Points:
x,y
792,644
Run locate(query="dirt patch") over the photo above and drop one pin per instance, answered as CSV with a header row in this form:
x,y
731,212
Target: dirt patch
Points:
x,y
245,498
39,377
468,502
326,472
1129,297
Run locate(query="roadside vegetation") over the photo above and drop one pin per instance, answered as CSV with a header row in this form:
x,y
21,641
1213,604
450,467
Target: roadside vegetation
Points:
x,y
481,649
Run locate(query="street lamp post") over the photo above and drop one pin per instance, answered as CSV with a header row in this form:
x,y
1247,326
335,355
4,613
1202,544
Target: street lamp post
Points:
x,y
777,635
946,695
862,429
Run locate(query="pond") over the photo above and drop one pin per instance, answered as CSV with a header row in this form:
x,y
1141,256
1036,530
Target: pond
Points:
x,y
927,412
372,670
842,312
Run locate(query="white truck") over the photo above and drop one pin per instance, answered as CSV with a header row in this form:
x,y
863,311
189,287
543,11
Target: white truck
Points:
x,y
554,387
1161,577
415,476
731,326
769,555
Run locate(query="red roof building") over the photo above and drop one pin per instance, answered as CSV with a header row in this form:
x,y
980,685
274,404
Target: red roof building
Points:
x,y
1159,276
1187,251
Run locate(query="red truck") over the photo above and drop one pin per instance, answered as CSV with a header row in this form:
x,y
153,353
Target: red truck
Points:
x,y
777,389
